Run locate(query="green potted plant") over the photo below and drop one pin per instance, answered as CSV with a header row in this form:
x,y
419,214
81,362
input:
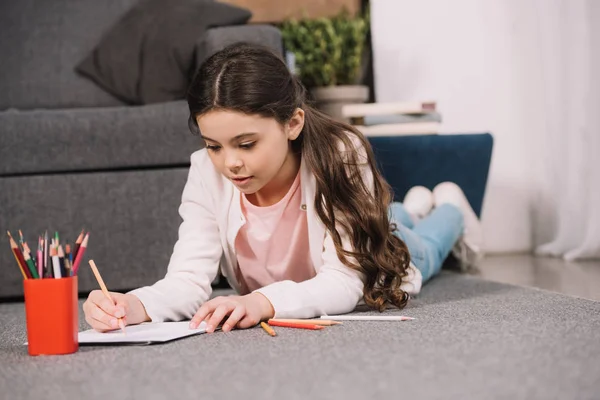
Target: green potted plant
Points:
x,y
328,56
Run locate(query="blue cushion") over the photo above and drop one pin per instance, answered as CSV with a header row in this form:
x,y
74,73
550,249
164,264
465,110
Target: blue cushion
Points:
x,y
427,160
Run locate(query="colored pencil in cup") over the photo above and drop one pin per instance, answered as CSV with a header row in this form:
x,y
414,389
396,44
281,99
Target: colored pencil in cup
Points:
x,y
55,263
68,259
103,288
80,254
45,256
21,241
314,327
322,322
30,265
268,329
367,317
40,264
78,244
61,261
20,261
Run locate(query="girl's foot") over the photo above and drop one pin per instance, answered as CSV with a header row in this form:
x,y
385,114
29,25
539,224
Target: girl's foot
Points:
x,y
418,202
469,248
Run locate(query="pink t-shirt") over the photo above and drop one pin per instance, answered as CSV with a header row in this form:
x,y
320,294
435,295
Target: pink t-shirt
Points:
x,y
273,244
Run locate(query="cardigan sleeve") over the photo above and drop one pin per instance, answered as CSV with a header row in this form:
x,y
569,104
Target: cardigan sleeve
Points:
x,y
194,263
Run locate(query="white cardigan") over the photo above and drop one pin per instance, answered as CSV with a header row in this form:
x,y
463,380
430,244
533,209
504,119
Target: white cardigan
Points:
x,y
212,217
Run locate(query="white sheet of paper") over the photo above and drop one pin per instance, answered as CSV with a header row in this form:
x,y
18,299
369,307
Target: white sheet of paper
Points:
x,y
146,333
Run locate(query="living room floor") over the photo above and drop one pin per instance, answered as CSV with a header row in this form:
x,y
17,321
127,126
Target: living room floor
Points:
x,y
581,279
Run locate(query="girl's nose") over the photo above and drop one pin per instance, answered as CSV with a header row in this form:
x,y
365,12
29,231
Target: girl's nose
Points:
x,y
232,162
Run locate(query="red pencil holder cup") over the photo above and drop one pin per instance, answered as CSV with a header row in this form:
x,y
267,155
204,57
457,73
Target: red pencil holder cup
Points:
x,y
51,310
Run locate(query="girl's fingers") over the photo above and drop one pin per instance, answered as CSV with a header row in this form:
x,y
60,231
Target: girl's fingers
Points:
x,y
238,313
205,310
247,322
99,320
218,315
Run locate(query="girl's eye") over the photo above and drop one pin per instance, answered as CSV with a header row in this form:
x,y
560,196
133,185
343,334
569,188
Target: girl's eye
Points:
x,y
247,145
213,148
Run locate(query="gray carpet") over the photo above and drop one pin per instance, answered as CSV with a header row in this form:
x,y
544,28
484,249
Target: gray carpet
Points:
x,y
471,339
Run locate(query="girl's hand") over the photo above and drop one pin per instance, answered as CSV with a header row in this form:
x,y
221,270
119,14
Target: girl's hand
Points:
x,y
102,314
243,311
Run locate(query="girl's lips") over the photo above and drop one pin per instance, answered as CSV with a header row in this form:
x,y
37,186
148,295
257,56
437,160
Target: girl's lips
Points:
x,y
242,181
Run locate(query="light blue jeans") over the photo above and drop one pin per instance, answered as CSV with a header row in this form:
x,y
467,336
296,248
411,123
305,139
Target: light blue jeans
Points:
x,y
431,239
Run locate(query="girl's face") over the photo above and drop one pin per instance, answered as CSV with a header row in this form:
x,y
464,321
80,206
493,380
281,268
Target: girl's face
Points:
x,y
253,152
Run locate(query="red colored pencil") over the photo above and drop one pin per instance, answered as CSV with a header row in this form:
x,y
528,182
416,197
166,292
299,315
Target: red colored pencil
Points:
x,y
19,257
295,325
80,254
77,245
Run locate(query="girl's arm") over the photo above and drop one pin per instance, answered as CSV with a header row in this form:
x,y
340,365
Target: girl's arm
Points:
x,y
336,289
195,260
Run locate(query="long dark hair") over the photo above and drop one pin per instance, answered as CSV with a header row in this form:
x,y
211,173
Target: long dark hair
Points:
x,y
253,80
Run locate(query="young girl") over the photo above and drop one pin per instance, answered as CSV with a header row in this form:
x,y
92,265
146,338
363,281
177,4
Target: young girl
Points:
x,y
290,205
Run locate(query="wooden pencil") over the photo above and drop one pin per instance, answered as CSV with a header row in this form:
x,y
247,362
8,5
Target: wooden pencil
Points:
x,y
30,264
313,327
104,289
45,256
368,318
56,272
77,244
80,253
62,263
15,249
322,322
268,329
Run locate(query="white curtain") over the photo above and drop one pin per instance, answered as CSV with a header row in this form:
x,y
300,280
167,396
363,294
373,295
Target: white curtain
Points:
x,y
566,209
528,72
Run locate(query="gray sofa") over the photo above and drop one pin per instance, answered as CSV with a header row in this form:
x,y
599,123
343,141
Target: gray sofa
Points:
x,y
72,156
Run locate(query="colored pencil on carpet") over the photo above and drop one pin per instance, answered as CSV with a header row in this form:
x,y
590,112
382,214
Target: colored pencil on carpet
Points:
x,y
322,322
268,329
367,317
80,254
103,287
15,249
314,327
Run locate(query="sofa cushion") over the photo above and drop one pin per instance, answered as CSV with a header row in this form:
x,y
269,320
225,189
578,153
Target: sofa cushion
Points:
x,y
86,139
427,160
40,44
148,55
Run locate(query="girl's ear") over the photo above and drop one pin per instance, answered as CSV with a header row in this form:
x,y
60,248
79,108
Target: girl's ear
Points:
x,y
295,124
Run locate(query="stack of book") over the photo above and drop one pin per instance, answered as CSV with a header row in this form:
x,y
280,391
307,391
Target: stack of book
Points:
x,y
389,119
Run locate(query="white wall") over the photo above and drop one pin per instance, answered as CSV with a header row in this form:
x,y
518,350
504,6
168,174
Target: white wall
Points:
x,y
470,56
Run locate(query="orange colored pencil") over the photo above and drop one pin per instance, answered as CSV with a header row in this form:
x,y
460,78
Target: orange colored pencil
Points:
x,y
268,329
274,322
322,322
105,290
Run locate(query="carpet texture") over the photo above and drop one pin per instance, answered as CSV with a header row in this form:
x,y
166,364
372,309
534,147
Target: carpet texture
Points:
x,y
471,339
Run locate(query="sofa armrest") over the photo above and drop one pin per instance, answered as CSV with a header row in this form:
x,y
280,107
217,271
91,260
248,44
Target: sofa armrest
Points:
x,y
217,39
